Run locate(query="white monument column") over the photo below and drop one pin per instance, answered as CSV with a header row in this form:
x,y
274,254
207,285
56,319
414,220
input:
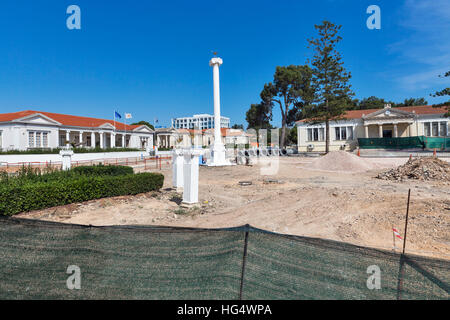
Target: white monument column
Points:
x,y
218,149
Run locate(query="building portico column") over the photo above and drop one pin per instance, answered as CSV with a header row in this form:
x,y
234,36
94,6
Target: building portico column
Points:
x,y
101,140
113,140
92,139
123,141
81,137
395,130
67,138
366,131
380,130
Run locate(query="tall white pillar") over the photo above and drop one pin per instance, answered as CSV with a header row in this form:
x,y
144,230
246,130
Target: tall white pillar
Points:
x,y
218,149
92,139
113,140
67,138
395,130
101,140
80,138
366,131
123,141
380,130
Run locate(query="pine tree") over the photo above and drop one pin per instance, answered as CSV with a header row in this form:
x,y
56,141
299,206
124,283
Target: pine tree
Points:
x,y
330,79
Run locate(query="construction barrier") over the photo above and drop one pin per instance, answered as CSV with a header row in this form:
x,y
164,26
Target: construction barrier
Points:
x,y
39,260
419,142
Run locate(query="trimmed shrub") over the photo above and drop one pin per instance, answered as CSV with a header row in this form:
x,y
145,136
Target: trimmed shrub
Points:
x,y
101,170
75,150
32,195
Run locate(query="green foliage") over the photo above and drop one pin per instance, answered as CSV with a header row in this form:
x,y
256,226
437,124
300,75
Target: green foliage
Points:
x,y
291,90
75,150
238,126
101,170
145,123
259,116
442,93
330,79
33,189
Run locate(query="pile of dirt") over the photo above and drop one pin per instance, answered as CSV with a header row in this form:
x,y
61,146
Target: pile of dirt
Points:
x,y
341,161
423,168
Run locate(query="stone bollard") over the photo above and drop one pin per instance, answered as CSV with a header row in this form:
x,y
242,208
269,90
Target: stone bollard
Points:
x,y
190,171
177,169
66,155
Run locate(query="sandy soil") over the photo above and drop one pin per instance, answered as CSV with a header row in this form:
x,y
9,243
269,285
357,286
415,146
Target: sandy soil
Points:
x,y
344,206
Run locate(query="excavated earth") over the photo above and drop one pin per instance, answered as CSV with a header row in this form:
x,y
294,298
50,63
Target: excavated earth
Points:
x,y
322,198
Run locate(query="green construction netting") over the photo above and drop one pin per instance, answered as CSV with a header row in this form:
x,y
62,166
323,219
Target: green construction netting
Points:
x,y
391,143
436,142
176,263
405,143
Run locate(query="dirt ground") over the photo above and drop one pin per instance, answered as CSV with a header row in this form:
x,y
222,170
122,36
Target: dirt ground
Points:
x,y
344,206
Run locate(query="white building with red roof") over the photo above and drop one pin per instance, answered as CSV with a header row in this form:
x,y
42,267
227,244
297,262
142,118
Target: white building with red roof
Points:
x,y
26,130
427,121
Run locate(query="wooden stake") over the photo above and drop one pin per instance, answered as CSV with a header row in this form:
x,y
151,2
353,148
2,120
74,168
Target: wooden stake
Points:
x,y
406,221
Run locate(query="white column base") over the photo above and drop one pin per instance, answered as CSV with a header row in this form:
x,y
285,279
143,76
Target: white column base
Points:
x,y
177,169
190,173
218,156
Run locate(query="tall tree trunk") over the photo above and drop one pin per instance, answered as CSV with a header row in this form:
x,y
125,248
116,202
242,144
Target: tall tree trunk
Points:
x,y
283,133
327,136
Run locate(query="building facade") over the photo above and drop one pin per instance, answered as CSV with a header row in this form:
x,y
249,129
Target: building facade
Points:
x,y
27,130
199,121
388,122
171,138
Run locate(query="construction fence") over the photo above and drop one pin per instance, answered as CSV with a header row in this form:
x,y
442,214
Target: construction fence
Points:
x,y
419,142
38,259
147,163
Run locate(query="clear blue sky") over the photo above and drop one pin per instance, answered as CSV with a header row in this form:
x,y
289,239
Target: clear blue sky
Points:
x,y
150,58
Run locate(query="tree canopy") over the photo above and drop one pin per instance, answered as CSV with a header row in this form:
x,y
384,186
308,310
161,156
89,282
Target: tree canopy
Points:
x,y
330,79
144,123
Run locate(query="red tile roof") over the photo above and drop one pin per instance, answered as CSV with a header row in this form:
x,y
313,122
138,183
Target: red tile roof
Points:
x,y
357,114
68,120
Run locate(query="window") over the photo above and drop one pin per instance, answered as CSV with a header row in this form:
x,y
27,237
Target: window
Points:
x,y
426,129
45,139
435,129
37,139
350,133
443,129
344,133
31,139
316,134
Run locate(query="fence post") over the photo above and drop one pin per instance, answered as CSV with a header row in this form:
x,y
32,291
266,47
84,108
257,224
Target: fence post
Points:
x,y
244,260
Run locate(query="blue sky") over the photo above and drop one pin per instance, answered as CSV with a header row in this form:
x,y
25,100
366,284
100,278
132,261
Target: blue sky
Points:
x,y
150,58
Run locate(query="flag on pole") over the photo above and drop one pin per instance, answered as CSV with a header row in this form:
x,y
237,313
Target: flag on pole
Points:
x,y
117,115
128,116
397,234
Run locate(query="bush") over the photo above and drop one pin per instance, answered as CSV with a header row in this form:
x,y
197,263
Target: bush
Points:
x,y
75,150
35,195
100,170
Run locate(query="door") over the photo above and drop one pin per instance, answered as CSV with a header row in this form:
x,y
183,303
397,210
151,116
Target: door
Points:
x,y
387,133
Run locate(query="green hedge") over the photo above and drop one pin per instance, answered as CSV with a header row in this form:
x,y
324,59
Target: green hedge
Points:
x,y
16,198
101,170
75,150
29,174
